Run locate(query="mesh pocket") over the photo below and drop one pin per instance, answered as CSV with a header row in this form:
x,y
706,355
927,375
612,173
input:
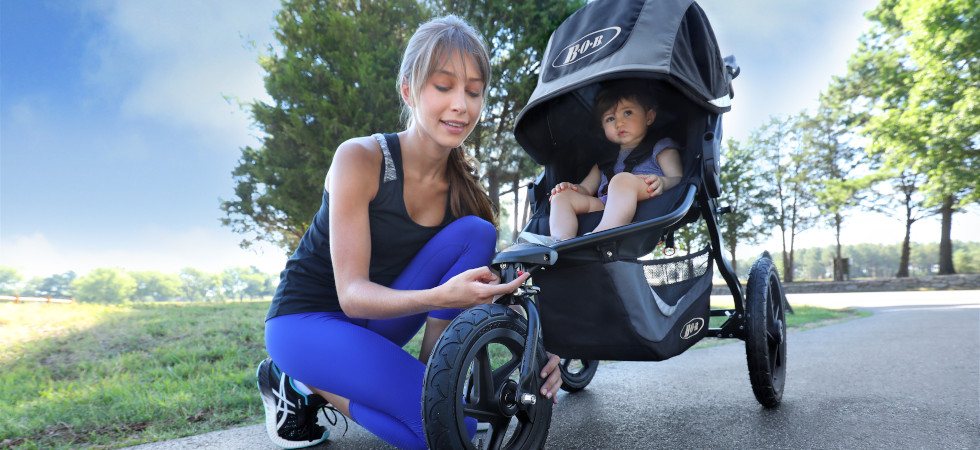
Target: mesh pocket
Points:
x,y
662,272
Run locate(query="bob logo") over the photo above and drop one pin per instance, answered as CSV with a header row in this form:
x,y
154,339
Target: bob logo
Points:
x,y
692,328
585,46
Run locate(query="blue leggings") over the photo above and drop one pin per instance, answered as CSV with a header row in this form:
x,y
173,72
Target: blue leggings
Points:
x,y
363,360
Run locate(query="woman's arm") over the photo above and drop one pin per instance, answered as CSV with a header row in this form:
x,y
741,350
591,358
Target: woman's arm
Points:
x,y
352,183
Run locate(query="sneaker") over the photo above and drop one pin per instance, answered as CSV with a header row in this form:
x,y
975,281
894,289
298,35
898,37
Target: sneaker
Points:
x,y
531,238
290,416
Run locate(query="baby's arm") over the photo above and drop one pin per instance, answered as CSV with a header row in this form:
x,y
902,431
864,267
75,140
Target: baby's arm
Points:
x,y
669,161
587,186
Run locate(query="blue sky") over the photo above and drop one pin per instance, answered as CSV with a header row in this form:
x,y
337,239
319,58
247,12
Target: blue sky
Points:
x,y
117,138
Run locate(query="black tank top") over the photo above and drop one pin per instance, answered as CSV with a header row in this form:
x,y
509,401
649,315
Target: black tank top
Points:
x,y
307,283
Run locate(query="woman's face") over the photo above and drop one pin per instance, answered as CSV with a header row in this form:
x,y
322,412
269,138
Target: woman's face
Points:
x,y
450,102
626,123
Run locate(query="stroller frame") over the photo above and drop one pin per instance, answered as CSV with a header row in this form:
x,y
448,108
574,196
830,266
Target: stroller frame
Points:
x,y
462,379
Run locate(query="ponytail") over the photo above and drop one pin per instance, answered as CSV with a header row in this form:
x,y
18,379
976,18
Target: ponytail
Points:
x,y
466,194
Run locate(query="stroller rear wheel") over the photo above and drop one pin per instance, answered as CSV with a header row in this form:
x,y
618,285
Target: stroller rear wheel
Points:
x,y
765,343
472,376
576,374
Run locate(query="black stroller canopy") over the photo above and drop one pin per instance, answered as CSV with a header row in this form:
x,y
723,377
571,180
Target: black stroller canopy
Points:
x,y
666,40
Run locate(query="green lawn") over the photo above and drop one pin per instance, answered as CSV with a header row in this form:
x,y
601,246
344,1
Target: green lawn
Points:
x,y
109,376
84,375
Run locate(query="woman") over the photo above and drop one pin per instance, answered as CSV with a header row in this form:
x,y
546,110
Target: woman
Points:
x,y
403,237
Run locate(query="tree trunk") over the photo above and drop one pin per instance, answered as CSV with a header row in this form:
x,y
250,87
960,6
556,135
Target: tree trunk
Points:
x,y
517,206
839,266
731,250
903,262
945,242
493,189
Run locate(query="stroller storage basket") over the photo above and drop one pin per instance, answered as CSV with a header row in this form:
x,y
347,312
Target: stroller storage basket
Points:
x,y
625,310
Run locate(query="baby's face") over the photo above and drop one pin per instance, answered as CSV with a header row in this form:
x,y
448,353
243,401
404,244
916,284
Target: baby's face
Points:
x,y
626,123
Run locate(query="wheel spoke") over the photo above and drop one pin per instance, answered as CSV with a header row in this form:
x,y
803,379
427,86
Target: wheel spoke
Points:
x,y
499,432
483,377
502,373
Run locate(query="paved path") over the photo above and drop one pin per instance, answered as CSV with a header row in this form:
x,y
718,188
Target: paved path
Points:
x,y
906,377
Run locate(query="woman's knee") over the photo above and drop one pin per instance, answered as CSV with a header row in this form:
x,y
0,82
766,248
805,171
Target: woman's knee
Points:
x,y
475,229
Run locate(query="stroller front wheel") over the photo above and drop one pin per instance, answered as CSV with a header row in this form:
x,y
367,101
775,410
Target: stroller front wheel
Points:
x,y
765,340
472,377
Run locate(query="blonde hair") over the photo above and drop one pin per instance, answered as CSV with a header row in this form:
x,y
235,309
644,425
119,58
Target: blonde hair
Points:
x,y
431,46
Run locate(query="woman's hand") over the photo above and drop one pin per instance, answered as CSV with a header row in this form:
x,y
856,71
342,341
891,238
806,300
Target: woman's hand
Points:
x,y
552,377
476,287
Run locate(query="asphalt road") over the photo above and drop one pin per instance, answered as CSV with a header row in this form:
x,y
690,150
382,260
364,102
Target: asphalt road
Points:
x,y
906,377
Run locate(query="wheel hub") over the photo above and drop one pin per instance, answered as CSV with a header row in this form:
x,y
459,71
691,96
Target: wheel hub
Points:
x,y
507,398
778,335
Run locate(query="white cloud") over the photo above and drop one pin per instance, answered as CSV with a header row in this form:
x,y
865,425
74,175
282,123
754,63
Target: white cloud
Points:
x,y
173,62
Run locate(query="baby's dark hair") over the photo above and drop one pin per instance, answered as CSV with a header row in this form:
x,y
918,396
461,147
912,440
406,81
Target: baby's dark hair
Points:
x,y
612,93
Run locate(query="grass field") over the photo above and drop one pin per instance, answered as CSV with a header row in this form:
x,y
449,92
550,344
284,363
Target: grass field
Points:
x,y
109,376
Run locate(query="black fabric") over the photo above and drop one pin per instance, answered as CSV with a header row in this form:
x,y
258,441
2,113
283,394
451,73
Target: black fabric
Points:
x,y
609,311
669,42
307,283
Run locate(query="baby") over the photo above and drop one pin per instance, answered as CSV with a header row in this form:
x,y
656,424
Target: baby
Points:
x,y
641,169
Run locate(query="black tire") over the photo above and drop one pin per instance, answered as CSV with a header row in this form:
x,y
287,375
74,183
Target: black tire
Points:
x,y
576,374
765,326
461,368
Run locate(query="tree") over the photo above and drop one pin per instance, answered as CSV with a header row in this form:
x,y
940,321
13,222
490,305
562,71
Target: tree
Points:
x,y
104,286
58,285
692,238
196,285
921,62
156,286
10,279
332,79
238,282
789,187
745,194
828,136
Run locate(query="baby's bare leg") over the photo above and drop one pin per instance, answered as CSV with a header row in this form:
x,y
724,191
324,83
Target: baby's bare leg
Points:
x,y
565,205
625,191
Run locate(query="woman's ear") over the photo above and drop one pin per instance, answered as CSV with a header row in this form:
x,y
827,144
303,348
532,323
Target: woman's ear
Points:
x,y
406,91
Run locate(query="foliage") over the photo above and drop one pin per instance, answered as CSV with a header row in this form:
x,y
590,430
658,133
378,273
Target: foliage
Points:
x,y
790,185
105,286
745,193
836,162
156,286
241,282
332,78
917,72
881,261
55,286
120,286
10,278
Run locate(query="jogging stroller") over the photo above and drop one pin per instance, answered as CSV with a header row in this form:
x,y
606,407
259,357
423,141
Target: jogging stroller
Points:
x,y
599,297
